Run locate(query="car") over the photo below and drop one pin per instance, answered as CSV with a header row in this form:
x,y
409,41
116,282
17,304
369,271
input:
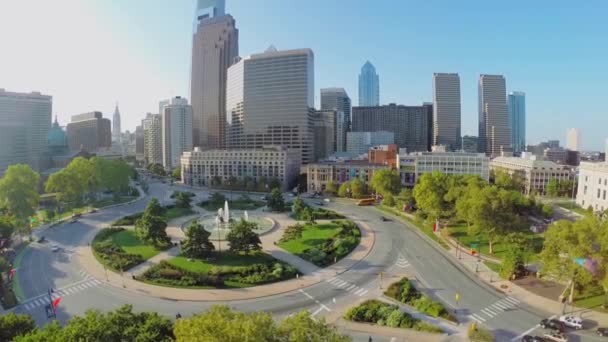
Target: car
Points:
x,y
384,219
552,324
93,210
556,336
41,239
320,204
73,221
327,200
572,321
75,215
530,338
55,248
602,331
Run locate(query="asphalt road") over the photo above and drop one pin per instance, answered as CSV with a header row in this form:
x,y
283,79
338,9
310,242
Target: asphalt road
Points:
x,y
396,247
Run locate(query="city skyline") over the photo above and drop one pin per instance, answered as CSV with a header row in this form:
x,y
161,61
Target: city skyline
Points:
x,y
406,70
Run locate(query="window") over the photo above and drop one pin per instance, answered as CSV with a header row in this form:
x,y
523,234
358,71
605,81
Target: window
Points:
x,y
604,195
598,193
600,182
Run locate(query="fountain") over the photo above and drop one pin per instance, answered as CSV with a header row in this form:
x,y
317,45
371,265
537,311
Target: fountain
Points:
x,y
246,216
226,213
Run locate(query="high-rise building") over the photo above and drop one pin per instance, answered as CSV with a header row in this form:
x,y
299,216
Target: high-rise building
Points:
x,y
517,119
176,117
116,132
25,120
337,99
270,101
369,86
89,131
139,142
469,144
411,124
446,110
573,139
361,142
324,130
153,139
494,128
214,49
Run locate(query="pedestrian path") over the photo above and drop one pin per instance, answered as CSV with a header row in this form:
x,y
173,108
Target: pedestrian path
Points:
x,y
347,286
63,292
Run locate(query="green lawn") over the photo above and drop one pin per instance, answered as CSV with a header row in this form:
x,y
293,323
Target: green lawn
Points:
x,y
493,266
592,298
176,212
237,204
224,259
572,206
131,244
314,235
421,225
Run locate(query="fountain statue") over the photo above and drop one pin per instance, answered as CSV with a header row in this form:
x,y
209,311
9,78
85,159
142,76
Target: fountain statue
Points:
x,y
246,216
220,214
226,213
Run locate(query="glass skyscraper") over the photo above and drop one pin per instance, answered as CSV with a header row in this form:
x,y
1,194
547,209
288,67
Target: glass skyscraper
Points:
x,y
517,120
369,86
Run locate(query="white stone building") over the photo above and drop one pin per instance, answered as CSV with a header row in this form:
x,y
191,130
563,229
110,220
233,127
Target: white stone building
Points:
x,y
535,173
593,186
413,165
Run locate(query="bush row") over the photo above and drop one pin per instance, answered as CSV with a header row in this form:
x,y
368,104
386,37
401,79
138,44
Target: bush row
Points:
x,y
405,292
377,312
339,246
128,220
111,254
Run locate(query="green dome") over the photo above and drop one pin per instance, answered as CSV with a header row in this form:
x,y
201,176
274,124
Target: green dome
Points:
x,y
56,136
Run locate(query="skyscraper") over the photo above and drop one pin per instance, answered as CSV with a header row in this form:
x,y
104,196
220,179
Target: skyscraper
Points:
x,y
153,139
369,86
116,136
176,117
214,49
25,120
89,131
337,99
573,139
494,130
517,120
446,110
270,101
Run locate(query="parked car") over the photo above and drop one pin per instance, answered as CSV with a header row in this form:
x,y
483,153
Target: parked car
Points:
x,y
41,239
556,336
93,210
529,338
572,321
55,248
552,324
384,219
602,331
76,215
320,204
327,200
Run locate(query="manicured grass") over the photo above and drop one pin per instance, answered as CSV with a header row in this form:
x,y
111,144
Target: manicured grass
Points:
x,y
592,298
573,207
493,266
176,212
111,201
314,235
237,204
421,225
130,243
224,259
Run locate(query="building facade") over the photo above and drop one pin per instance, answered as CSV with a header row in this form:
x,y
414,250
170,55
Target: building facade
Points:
x,y
319,174
534,173
324,130
89,131
270,101
116,130
202,168
384,155
139,143
469,144
494,127
573,139
337,99
592,186
214,49
517,120
361,142
176,117
410,124
25,120
446,110
153,139
369,86
414,165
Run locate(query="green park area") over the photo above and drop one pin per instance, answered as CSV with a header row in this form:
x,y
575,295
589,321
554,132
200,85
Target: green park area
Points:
x,y
571,205
242,202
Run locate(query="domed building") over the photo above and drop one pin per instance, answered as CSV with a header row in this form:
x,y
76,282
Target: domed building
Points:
x,y
58,154
57,139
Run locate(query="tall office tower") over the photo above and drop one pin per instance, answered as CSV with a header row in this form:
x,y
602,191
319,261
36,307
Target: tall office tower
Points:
x,y
214,49
89,131
139,142
25,120
446,110
494,128
409,123
116,133
324,130
176,130
517,120
369,86
270,101
573,139
153,139
337,99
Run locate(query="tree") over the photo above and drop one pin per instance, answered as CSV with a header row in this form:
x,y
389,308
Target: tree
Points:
x,y
196,244
406,196
552,188
298,206
389,200
344,189
232,182
308,215
113,175
151,229
331,188
276,201
242,237
430,193
547,211
512,262
157,169
506,181
274,183
217,200
7,228
19,191
386,181
301,327
13,325
177,173
183,199
357,188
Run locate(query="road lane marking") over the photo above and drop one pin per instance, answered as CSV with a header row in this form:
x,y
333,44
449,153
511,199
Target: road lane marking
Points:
x,y
316,301
317,311
517,338
359,291
345,284
505,303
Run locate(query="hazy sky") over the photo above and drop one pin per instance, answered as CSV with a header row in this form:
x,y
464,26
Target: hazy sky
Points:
x,y
88,54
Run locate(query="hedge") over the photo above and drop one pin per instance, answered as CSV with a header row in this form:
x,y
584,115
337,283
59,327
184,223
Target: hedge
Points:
x,y
405,292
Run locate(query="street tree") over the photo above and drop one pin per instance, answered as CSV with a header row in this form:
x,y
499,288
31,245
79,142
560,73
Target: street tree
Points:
x,y
19,191
183,199
430,193
344,189
113,175
274,183
552,188
389,200
331,188
242,237
308,215
386,182
177,173
506,181
298,206
357,188
151,228
7,228
157,169
301,327
13,325
196,244
276,201
154,208
406,195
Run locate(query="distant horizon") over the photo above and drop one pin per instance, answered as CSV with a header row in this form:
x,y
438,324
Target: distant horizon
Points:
x,y
116,55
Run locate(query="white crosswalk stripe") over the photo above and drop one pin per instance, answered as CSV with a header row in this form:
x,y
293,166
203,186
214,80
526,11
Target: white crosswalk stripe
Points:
x,y
74,288
363,293
501,306
512,300
488,312
479,319
351,287
506,303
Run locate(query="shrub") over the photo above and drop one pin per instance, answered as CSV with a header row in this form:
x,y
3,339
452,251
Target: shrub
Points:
x,y
480,335
111,254
427,327
377,312
128,220
405,292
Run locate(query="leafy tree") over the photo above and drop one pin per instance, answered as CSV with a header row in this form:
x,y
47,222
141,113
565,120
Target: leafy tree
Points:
x,y
232,182
7,228
357,188
242,237
406,196
151,229
505,181
552,188
13,325
430,193
512,262
301,327
183,199
154,208
196,244
276,201
113,175
293,232
298,206
386,181
308,215
547,211
389,200
331,188
157,169
343,189
217,200
274,183
19,191
177,173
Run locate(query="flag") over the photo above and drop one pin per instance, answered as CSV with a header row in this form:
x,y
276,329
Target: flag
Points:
x,y
11,273
436,226
56,302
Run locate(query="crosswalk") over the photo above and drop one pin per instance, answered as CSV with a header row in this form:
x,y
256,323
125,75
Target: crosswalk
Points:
x,y
402,261
345,285
495,309
65,291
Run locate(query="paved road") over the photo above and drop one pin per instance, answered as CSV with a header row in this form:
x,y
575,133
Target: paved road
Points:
x,y
396,249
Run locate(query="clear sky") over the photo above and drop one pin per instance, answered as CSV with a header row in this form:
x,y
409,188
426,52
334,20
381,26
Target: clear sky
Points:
x,y
89,54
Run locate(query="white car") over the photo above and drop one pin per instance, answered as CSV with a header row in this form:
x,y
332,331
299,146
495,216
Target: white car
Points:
x,y
572,321
55,248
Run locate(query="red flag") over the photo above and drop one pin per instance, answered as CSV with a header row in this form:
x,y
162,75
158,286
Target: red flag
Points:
x,y
12,272
56,302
